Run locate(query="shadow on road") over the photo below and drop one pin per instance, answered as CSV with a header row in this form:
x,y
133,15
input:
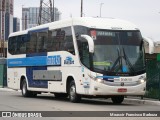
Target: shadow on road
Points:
x,y
91,101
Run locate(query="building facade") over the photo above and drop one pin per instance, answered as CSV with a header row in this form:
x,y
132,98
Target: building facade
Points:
x,y
16,24
30,16
6,18
6,24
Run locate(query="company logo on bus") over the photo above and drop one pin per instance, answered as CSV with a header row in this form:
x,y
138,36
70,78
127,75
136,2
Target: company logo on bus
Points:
x,y
69,60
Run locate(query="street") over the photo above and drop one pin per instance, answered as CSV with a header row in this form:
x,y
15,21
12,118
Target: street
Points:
x,y
13,101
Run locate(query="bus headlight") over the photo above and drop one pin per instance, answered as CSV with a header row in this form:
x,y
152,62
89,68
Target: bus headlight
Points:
x,y
99,80
142,79
96,79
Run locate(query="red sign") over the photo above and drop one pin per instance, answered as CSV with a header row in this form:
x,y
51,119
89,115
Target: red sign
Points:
x,y
93,34
122,89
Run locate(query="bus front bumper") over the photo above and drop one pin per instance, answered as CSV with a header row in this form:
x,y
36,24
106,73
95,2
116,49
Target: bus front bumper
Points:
x,y
102,89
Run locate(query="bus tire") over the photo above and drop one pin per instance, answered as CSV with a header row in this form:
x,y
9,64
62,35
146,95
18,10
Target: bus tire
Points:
x,y
25,92
117,99
73,96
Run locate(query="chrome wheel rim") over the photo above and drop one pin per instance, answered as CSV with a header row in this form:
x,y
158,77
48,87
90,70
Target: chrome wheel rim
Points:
x,y
24,89
72,92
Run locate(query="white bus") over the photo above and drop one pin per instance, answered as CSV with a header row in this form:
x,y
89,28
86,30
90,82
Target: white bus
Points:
x,y
78,57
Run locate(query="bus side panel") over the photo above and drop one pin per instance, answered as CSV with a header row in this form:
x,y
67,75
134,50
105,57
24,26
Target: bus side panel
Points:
x,y
75,73
29,73
10,80
14,73
35,83
14,76
80,77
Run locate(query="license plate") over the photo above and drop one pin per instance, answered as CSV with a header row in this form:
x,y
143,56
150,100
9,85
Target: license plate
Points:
x,y
122,89
126,79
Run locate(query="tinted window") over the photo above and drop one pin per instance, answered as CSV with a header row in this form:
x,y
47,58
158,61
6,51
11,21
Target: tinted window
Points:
x,y
82,45
61,40
31,44
12,45
17,45
42,41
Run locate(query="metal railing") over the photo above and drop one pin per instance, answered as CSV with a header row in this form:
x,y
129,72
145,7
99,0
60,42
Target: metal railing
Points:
x,y
153,79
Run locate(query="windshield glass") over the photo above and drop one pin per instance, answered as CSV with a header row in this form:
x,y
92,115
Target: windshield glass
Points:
x,y
118,51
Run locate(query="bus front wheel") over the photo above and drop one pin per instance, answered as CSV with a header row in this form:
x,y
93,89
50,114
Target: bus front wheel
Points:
x,y
73,96
117,99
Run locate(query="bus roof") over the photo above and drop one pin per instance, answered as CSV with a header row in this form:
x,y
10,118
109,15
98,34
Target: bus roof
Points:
x,y
90,22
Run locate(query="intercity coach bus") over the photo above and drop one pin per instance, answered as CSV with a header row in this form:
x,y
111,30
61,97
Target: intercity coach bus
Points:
x,y
78,57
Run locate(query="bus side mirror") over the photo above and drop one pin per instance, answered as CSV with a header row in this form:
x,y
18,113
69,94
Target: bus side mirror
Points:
x,y
141,45
151,44
90,42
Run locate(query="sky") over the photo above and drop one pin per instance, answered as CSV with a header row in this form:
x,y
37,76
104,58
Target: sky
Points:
x,y
143,13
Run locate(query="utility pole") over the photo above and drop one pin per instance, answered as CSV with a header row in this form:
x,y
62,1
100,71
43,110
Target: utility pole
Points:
x,y
53,12
100,9
81,8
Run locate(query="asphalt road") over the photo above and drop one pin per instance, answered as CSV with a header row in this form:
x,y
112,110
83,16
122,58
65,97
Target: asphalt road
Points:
x,y
13,101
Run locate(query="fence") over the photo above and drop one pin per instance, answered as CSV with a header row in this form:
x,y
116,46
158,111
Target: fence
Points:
x,y
3,73
153,79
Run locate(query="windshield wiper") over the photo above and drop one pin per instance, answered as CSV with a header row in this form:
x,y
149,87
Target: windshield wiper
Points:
x,y
119,59
127,60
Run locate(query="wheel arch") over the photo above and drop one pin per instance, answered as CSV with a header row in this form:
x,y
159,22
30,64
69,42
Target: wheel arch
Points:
x,y
23,77
69,79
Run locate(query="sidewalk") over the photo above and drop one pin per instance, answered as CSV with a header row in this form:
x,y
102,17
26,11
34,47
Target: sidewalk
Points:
x,y
138,100
128,100
6,89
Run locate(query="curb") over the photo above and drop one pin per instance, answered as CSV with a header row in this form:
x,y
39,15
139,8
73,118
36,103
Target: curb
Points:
x,y
7,89
139,101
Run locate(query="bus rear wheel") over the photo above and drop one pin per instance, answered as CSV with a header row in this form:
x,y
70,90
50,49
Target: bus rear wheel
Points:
x,y
25,92
117,99
73,96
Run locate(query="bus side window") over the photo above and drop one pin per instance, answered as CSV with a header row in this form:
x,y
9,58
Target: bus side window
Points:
x,y
68,41
17,45
61,40
53,44
84,52
42,41
50,42
82,45
18,39
23,44
12,45
31,44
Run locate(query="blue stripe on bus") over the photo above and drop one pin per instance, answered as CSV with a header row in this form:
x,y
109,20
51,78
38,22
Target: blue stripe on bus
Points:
x,y
108,78
35,61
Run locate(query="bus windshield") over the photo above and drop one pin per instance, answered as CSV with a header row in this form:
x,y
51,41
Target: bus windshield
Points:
x,y
118,51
